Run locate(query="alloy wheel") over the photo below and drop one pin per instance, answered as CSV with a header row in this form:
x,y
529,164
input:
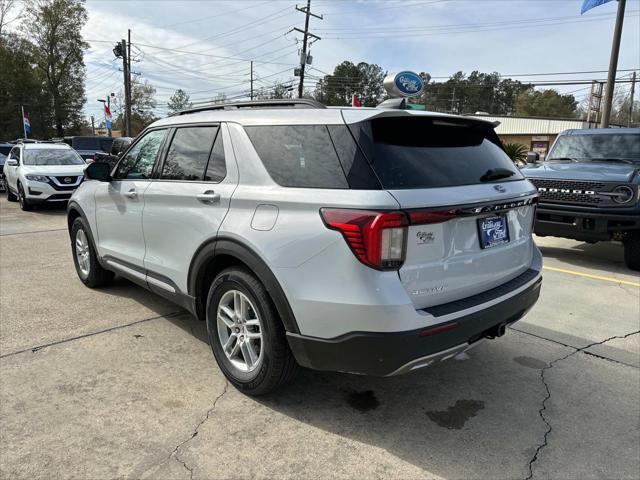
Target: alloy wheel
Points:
x,y
240,331
82,253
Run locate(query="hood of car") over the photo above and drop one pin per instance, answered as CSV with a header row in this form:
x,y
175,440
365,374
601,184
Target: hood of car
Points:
x,y
55,170
597,171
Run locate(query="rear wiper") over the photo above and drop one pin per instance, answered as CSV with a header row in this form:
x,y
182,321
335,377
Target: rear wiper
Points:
x,y
496,174
622,160
562,159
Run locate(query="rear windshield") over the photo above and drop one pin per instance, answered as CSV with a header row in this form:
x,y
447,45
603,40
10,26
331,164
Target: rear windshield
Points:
x,y
415,152
92,143
594,147
52,157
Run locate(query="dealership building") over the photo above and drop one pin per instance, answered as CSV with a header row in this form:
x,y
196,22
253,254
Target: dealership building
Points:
x,y
536,133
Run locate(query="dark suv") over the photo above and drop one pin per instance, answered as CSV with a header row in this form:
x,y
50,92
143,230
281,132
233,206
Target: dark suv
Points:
x,y
119,145
589,188
89,146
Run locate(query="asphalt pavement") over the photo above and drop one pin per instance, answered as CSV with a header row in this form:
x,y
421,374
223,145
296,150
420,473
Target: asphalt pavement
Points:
x,y
119,383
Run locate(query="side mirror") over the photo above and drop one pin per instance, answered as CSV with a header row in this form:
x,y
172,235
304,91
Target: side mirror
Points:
x,y
12,162
533,157
100,171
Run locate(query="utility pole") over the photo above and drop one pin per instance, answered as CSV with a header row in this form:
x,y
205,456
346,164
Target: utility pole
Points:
x,y
303,56
252,80
128,106
613,65
127,98
120,51
595,103
633,90
453,99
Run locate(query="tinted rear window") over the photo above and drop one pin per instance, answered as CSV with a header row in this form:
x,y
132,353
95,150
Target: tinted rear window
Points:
x,y
298,155
92,143
414,152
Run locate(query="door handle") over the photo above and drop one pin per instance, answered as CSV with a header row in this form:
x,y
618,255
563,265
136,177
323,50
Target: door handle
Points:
x,y
131,193
208,197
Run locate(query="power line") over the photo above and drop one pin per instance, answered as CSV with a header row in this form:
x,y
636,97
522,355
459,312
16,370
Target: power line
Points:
x,y
211,16
506,25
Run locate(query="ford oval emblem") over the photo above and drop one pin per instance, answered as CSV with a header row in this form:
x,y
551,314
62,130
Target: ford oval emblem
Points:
x,y
499,188
403,84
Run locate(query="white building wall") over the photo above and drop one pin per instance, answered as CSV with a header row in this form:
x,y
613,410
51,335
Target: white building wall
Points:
x,y
532,126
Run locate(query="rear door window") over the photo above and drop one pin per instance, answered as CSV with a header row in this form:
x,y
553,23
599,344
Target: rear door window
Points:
x,y
414,152
298,155
189,153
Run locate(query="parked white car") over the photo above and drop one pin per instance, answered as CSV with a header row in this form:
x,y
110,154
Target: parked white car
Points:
x,y
37,173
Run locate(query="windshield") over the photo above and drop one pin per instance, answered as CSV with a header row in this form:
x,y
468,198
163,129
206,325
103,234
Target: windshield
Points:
x,y
52,157
594,147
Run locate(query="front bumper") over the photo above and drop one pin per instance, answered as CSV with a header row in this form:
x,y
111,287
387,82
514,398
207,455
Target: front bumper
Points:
x,y
383,354
40,192
583,225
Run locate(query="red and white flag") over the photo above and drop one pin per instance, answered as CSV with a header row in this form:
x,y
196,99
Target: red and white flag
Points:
x,y
355,102
107,115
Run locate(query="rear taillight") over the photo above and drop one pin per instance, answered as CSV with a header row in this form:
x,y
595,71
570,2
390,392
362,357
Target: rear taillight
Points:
x,y
378,239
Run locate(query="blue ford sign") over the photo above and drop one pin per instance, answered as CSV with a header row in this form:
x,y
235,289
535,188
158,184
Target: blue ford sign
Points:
x,y
403,84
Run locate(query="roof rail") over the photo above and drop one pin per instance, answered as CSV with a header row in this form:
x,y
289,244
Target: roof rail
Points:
x,y
279,103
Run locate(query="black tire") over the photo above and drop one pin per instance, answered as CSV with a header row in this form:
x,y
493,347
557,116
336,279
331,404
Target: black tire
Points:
x,y
10,196
96,275
278,366
24,203
631,243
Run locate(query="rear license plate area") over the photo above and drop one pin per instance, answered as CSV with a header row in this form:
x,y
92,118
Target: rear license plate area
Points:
x,y
493,231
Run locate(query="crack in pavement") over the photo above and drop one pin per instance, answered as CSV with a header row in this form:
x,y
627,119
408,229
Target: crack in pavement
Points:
x,y
558,342
174,454
33,231
633,294
544,443
37,348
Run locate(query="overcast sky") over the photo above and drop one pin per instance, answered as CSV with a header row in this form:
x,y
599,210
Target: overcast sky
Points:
x,y
437,36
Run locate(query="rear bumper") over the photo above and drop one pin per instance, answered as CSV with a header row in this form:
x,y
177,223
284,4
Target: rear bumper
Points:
x,y
583,225
382,354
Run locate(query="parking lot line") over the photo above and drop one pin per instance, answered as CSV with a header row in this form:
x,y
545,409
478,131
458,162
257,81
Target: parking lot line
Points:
x,y
596,277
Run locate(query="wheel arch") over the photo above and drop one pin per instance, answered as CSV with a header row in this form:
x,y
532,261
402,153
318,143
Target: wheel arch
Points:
x,y
215,255
75,211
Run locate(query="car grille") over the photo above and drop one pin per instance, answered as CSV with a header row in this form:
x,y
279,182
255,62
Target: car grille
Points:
x,y
58,182
568,191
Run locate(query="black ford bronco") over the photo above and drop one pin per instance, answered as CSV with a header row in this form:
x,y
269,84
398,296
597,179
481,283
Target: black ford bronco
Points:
x,y
590,188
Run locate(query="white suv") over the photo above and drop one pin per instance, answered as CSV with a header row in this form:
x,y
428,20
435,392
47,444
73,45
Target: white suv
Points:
x,y
370,241
37,173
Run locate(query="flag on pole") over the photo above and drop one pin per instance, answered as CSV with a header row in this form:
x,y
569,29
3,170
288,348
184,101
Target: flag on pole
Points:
x,y
107,116
589,4
27,124
355,102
